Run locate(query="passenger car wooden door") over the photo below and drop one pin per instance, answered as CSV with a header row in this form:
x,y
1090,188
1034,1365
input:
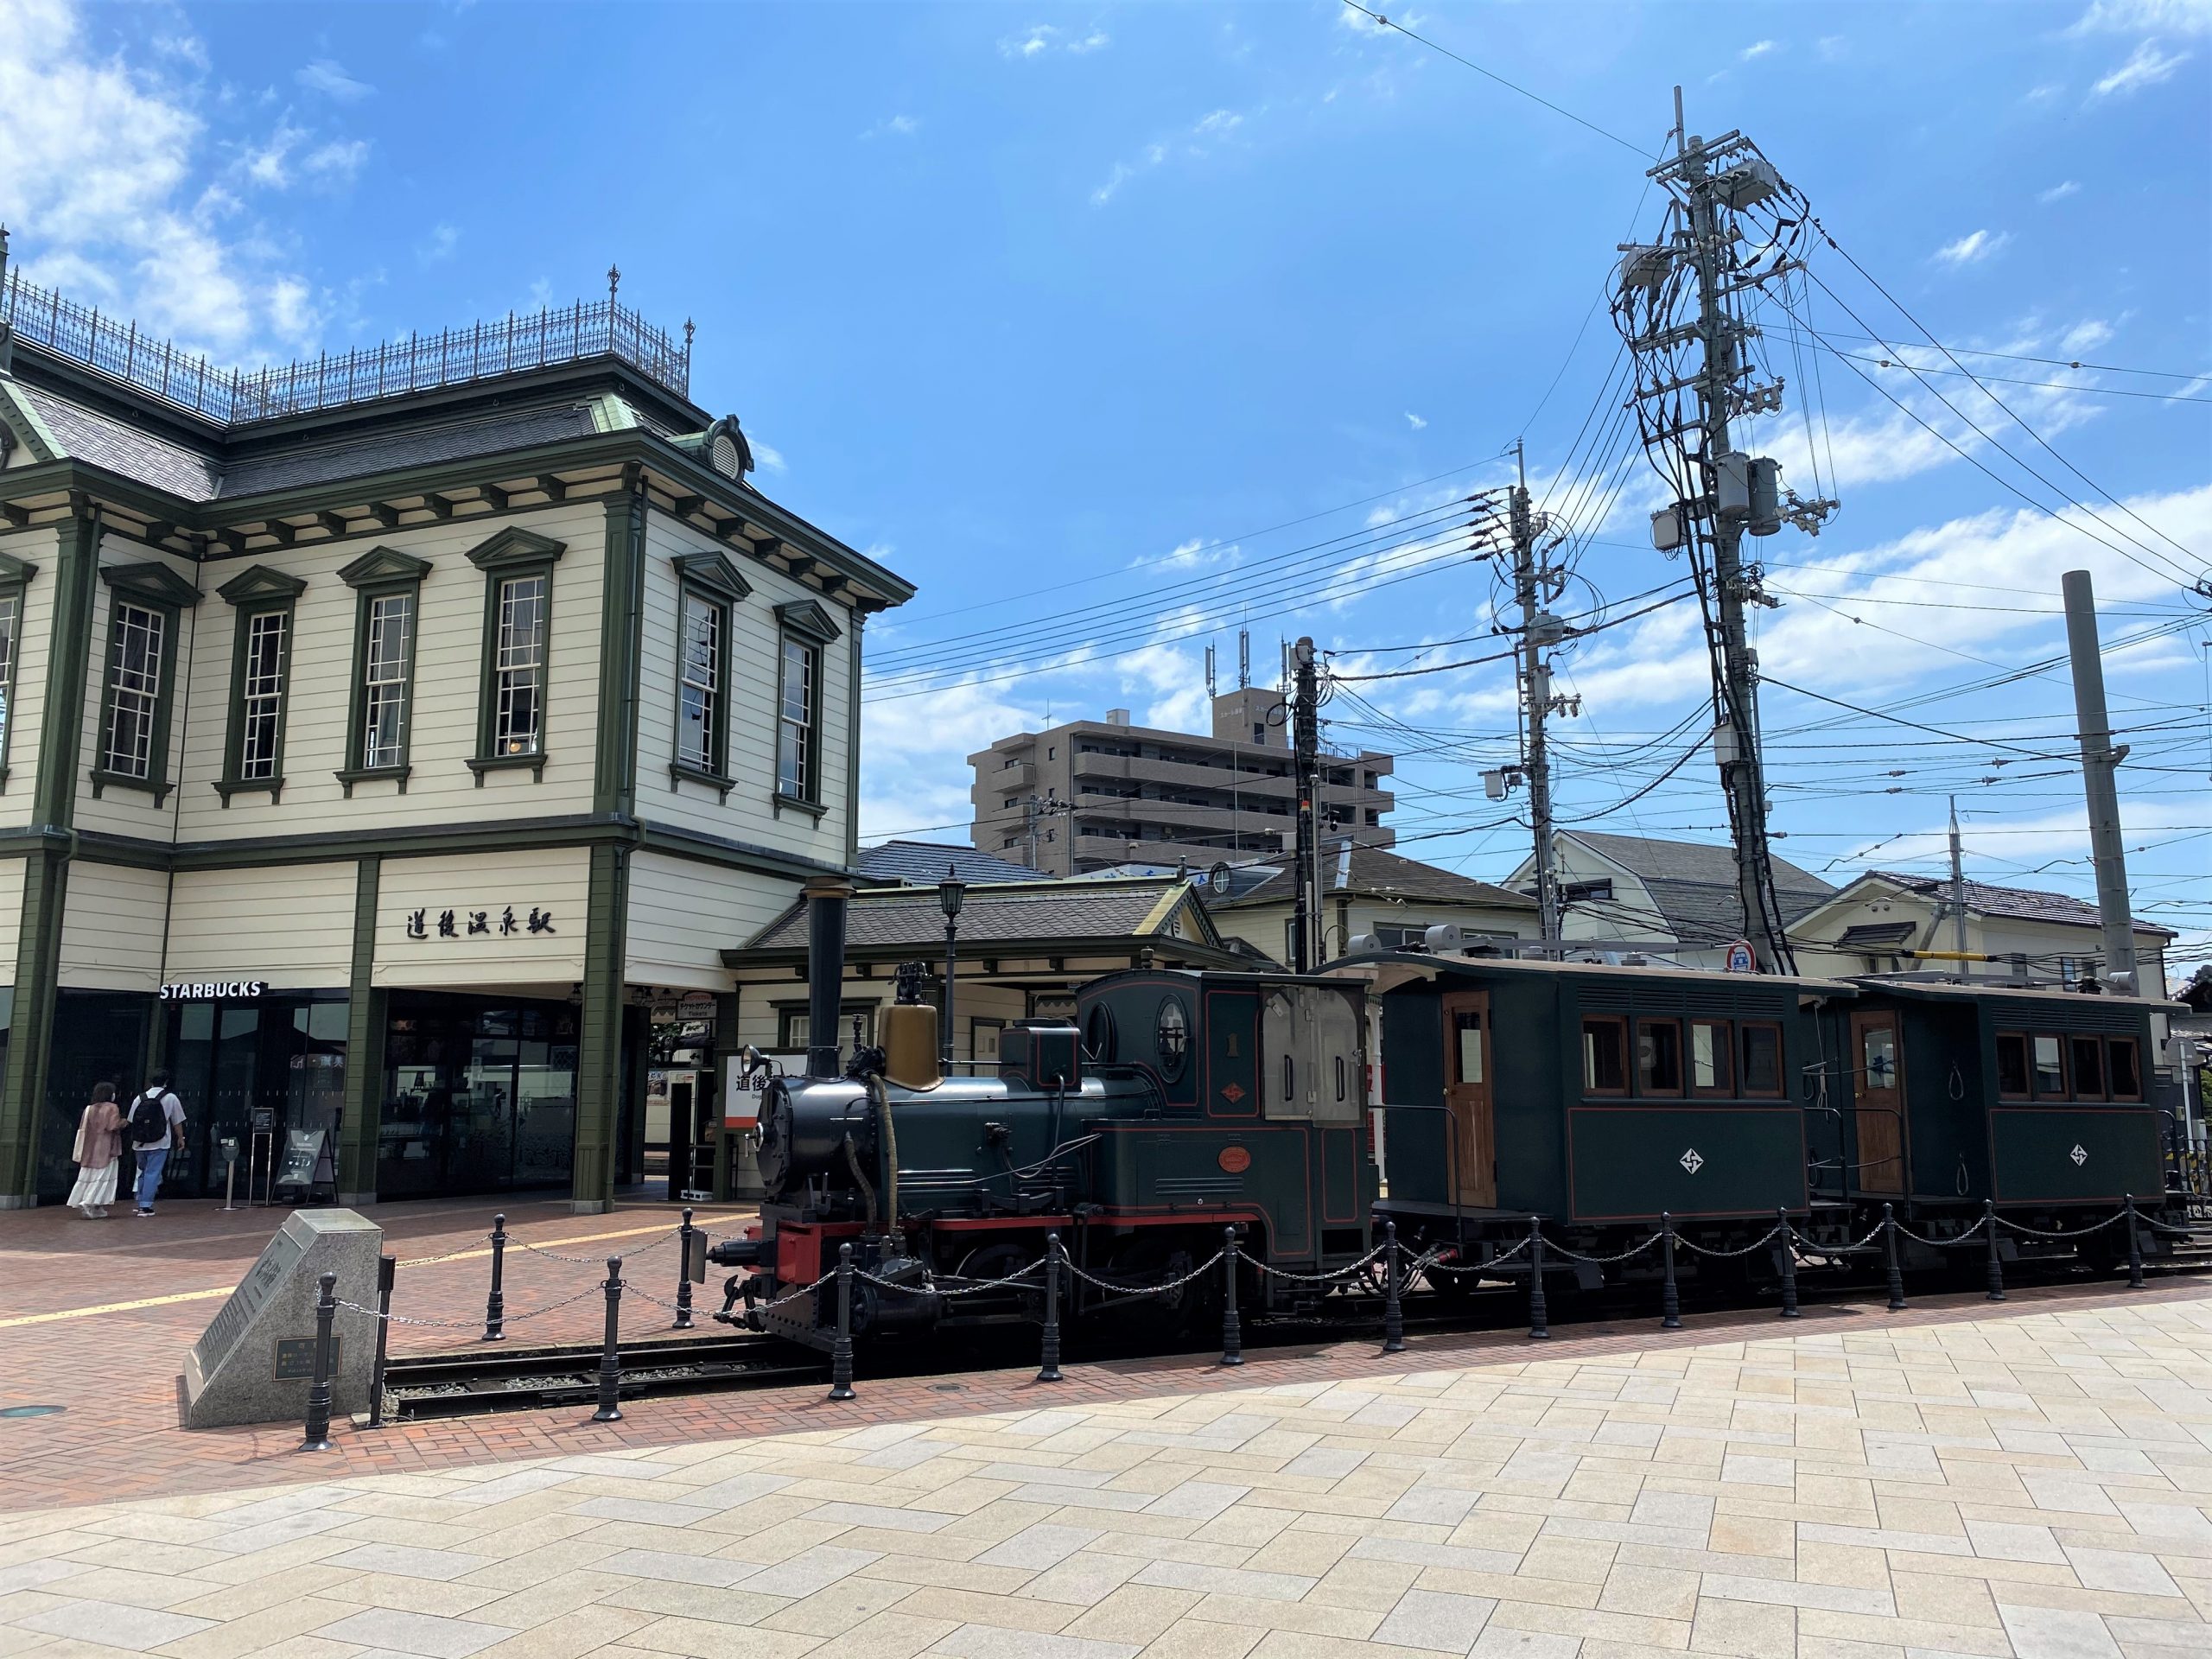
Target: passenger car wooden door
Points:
x,y
1468,1091
1879,1085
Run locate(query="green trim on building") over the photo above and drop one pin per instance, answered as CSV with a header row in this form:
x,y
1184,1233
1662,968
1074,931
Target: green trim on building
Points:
x,y
15,588
255,593
599,1054
853,741
365,1029
46,877
622,588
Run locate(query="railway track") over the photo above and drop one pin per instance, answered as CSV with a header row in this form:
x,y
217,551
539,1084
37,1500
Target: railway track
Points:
x,y
471,1381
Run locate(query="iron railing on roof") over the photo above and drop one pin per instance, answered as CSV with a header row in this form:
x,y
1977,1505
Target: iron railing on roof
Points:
x,y
451,358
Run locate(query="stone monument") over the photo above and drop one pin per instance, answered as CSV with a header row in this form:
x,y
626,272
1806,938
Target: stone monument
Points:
x,y
256,1360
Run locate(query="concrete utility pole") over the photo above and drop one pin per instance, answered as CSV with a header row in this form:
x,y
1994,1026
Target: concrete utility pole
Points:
x,y
2100,761
1034,809
1958,886
1538,630
1305,737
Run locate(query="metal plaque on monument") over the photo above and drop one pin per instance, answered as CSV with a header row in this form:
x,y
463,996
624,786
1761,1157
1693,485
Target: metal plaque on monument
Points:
x,y
254,1362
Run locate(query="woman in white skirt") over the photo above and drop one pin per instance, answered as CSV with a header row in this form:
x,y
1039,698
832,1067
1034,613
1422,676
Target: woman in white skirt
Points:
x,y
98,1153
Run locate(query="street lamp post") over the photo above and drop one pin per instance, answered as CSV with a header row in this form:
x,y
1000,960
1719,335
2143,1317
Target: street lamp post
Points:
x,y
950,893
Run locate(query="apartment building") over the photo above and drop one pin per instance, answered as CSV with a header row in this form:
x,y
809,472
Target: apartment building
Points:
x,y
384,739
1090,795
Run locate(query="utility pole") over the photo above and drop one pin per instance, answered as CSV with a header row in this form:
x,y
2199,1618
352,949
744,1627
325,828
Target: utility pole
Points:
x,y
1306,734
1727,197
2100,761
1538,630
1032,810
1958,887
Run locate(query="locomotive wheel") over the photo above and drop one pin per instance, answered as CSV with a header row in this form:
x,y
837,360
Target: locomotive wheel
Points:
x,y
1454,1290
995,1260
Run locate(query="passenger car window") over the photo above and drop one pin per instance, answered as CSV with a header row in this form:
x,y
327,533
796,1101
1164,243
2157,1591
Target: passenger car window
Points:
x,y
2050,1064
2127,1080
1762,1046
1467,1045
1709,1056
1658,1056
2012,1065
2087,1054
1878,1057
1605,1063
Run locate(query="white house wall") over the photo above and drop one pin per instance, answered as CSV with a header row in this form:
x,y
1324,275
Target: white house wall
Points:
x,y
112,927
291,927
42,548
133,811
448,668
684,915
553,880
11,912
749,815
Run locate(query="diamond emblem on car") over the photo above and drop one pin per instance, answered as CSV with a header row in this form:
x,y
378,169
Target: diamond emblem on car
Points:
x,y
1691,1161
2079,1156
1232,1093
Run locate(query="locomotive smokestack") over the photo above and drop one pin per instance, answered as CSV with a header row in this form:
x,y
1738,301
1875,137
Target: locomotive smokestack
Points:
x,y
825,970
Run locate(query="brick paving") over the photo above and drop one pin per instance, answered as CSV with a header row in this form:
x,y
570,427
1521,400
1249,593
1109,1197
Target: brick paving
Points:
x,y
2029,1481
66,1338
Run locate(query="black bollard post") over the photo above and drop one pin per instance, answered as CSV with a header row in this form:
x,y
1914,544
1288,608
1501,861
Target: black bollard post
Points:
x,y
1996,1271
495,1305
1890,1255
840,1352
1232,1330
1788,1266
2135,1247
1048,1369
387,1271
1538,1328
1671,1298
683,1275
317,1436
1394,1314
610,1357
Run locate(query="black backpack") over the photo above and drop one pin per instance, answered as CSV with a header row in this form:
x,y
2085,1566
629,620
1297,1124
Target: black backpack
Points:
x,y
148,1123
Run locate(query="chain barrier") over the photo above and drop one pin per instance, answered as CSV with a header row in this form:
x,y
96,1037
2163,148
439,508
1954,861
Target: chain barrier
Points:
x,y
1204,1266
1952,1243
472,1325
975,1289
595,1260
1341,1274
1607,1261
432,1261
1771,1234
2079,1232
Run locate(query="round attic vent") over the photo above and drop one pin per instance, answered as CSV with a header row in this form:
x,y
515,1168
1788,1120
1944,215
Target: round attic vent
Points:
x,y
727,453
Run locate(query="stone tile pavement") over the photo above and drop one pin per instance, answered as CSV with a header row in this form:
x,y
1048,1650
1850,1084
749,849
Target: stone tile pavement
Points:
x,y
2035,1484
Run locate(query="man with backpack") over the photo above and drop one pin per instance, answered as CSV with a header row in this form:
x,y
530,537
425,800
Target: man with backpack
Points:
x,y
157,1119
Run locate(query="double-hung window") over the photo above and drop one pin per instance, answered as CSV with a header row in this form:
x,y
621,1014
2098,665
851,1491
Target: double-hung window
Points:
x,y
709,591
261,681
807,630
379,728
15,578
145,602
511,709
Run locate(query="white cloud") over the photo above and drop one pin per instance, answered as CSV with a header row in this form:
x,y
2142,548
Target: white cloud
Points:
x,y
106,186
268,165
438,245
1832,47
1973,248
768,459
2128,17
1759,49
895,126
338,160
1208,131
2146,66
1360,24
1038,38
329,78
2086,336
1415,421
1197,554
2059,192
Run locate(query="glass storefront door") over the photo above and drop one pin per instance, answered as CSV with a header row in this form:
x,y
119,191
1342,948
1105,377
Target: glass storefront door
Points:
x,y
479,1096
282,1053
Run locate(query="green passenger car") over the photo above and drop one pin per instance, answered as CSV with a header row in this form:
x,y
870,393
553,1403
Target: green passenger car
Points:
x,y
1597,1097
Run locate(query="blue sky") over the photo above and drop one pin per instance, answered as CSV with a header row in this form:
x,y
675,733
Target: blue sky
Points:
x,y
1103,323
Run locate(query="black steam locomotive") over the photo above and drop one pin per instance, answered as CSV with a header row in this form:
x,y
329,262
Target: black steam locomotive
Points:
x,y
1178,1104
